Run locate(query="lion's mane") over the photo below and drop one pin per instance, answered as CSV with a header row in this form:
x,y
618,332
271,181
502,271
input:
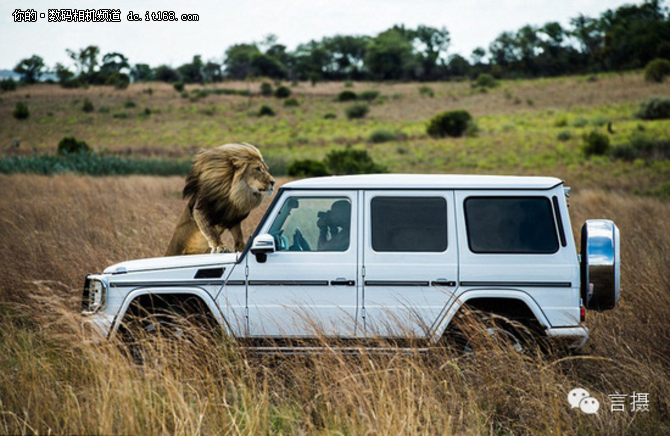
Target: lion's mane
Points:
x,y
225,183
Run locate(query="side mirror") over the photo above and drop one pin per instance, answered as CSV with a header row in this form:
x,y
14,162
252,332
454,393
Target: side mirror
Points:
x,y
261,246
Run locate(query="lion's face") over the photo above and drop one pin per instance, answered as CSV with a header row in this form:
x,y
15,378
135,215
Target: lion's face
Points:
x,y
257,177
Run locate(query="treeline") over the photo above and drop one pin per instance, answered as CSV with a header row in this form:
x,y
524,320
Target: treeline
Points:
x,y
622,39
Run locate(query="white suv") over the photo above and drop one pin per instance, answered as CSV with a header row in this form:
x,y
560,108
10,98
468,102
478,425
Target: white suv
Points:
x,y
390,256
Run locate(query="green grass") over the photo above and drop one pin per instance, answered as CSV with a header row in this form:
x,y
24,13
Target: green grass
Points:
x,y
94,165
513,136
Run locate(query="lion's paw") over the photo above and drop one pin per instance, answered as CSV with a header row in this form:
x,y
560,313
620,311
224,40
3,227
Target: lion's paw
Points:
x,y
220,249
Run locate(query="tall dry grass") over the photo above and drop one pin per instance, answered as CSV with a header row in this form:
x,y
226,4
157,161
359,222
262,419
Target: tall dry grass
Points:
x,y
55,230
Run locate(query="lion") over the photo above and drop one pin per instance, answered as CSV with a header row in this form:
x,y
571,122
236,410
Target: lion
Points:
x,y
225,183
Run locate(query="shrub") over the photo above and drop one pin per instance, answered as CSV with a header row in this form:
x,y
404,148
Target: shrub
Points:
x,y
384,135
92,164
347,95
485,80
69,145
307,168
580,122
656,70
426,91
564,135
330,116
452,123
348,84
624,152
357,110
122,115
561,122
87,106
642,147
368,95
21,111
596,144
179,86
266,89
291,102
7,85
118,80
350,161
282,92
266,111
657,108
128,104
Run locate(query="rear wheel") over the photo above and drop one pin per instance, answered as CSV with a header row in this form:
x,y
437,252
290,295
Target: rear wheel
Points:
x,y
475,332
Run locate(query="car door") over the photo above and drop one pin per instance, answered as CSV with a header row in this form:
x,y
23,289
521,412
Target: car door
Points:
x,y
307,287
515,241
410,261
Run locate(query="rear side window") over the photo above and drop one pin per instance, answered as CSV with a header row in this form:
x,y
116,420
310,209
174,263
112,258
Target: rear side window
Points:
x,y
515,225
409,224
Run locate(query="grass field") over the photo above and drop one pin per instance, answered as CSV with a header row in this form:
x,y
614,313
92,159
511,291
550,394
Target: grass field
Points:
x,y
56,229
519,124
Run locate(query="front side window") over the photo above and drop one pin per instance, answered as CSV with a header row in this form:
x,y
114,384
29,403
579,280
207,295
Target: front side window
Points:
x,y
313,224
409,224
516,225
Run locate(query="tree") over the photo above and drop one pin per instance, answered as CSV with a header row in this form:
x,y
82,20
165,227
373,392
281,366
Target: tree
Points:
x,y
86,60
527,45
503,49
458,66
267,66
142,73
239,57
590,37
167,74
192,72
63,73
310,60
632,34
113,71
477,55
431,43
211,72
390,55
30,69
114,63
346,56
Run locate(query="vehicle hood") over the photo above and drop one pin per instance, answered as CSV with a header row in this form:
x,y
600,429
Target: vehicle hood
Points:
x,y
172,262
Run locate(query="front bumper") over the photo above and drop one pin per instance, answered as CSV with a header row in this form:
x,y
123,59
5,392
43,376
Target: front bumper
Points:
x,y
96,326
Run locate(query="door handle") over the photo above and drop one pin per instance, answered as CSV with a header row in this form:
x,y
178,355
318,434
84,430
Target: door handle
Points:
x,y
342,282
443,282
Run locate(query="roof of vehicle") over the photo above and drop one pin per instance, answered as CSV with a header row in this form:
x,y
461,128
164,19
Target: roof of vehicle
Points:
x,y
425,181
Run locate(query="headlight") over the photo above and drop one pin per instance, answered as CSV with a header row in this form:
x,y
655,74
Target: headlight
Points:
x,y
95,295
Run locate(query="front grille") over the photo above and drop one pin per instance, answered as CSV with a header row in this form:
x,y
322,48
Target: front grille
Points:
x,y
86,295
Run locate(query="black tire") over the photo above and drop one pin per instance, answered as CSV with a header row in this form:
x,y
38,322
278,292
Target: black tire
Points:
x,y
154,327
473,332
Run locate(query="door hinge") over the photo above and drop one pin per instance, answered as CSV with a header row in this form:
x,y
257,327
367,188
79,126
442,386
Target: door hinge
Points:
x,y
363,271
246,271
363,312
246,312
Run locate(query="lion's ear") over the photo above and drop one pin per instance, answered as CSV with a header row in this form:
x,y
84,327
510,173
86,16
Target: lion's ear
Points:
x,y
237,162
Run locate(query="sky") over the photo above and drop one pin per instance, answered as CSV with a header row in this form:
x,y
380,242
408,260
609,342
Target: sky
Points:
x,y
222,23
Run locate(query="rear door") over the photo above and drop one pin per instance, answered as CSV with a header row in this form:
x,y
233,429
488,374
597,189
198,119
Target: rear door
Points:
x,y
514,241
410,261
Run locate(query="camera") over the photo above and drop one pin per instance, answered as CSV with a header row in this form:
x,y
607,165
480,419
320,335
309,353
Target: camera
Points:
x,y
324,219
